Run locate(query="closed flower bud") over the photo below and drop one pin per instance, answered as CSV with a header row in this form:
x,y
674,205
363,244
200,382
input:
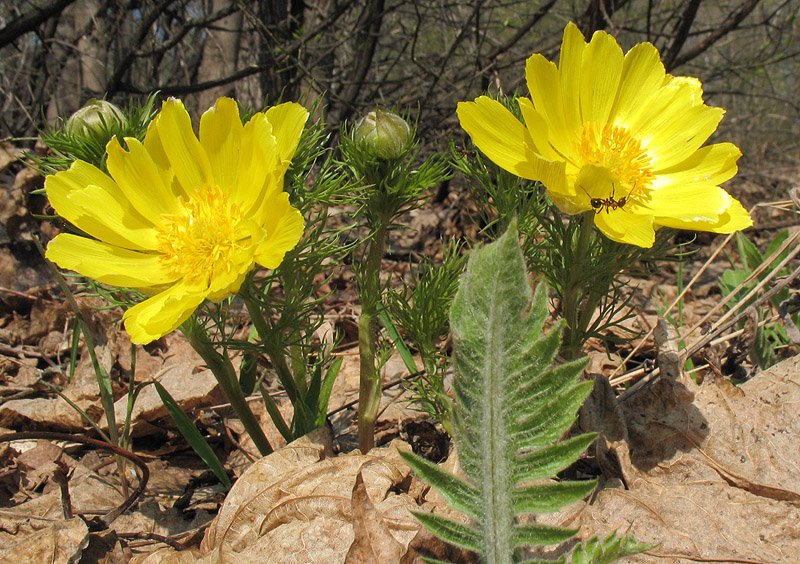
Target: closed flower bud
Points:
x,y
97,119
384,133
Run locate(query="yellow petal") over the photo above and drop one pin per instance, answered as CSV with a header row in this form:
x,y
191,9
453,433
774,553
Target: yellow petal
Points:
x,y
155,148
671,101
91,201
229,287
226,279
106,263
537,129
163,313
734,219
708,208
683,135
257,161
567,203
139,179
186,156
623,226
595,182
642,75
284,225
570,61
545,88
686,202
712,165
504,139
221,137
600,75
496,132
287,121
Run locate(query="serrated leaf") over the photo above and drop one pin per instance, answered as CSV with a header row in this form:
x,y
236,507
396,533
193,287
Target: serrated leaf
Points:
x,y
547,498
459,494
511,405
540,534
450,531
549,460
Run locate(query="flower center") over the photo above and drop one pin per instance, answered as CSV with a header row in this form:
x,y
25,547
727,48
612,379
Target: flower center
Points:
x,y
202,239
614,148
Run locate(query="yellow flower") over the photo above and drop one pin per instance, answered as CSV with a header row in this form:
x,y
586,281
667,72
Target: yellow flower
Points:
x,y
615,134
182,218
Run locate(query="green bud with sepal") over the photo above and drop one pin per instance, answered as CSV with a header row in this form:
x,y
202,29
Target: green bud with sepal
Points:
x,y
385,134
98,119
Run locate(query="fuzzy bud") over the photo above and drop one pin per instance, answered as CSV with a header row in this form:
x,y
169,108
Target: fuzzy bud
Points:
x,y
386,134
98,119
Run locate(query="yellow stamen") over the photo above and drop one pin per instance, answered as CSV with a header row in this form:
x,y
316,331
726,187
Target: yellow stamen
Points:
x,y
613,147
203,238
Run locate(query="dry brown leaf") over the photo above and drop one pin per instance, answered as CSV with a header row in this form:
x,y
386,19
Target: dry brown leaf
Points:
x,y
88,492
295,506
190,386
59,542
9,154
105,548
53,414
373,540
166,556
713,472
303,513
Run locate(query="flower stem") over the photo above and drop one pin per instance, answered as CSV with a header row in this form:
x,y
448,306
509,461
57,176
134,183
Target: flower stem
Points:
x,y
575,291
269,344
369,393
221,367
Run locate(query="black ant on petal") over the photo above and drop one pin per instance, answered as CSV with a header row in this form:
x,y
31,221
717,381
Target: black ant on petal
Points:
x,y
609,203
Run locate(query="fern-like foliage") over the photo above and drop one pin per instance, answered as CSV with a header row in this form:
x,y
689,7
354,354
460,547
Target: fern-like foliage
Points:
x,y
512,405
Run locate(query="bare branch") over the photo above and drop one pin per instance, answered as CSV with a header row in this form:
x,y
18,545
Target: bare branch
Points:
x,y
681,32
722,30
31,20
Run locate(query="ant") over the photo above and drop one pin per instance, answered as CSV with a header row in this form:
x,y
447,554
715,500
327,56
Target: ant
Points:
x,y
609,203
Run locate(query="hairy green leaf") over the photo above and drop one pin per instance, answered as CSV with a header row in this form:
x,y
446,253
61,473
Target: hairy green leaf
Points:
x,y
450,531
549,497
512,405
460,495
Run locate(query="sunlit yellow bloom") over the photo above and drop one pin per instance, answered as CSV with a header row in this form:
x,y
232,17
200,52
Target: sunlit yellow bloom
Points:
x,y
180,217
615,134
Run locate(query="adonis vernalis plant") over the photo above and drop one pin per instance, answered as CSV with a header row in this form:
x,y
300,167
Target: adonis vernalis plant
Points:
x,y
184,218
616,135
181,218
617,143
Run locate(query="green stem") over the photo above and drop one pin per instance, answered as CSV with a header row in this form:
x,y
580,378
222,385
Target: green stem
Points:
x,y
222,369
269,344
575,291
369,393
